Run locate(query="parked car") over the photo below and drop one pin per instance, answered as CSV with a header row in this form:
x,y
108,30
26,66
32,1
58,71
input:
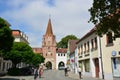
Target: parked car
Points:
x,y
26,71
61,67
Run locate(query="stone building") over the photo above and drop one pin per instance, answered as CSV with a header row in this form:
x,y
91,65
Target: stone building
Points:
x,y
49,49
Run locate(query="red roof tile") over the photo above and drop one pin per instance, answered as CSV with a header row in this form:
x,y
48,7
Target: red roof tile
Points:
x,y
72,45
61,50
37,50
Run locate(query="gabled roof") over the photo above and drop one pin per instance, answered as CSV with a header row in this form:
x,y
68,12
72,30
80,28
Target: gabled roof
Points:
x,y
87,34
61,50
16,32
49,28
72,45
37,50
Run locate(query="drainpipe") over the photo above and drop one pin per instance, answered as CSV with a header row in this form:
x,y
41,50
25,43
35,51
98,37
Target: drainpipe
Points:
x,y
101,58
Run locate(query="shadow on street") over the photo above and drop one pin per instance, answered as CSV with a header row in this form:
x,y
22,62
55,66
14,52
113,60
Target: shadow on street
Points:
x,y
8,79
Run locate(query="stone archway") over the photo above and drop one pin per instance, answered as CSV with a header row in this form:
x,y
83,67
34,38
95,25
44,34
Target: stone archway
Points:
x,y
49,65
61,65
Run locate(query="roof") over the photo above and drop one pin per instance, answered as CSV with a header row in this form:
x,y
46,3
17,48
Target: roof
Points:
x,y
61,50
49,28
72,45
37,50
16,32
87,34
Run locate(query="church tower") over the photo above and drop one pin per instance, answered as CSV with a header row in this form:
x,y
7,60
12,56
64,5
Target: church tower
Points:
x,y
49,47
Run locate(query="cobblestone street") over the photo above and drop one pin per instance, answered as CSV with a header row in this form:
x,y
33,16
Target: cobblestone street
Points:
x,y
48,75
51,75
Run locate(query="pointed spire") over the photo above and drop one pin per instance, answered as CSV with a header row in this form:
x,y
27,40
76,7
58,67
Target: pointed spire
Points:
x,y
49,28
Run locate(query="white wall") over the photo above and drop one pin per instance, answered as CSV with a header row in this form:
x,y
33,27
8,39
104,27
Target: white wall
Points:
x,y
61,58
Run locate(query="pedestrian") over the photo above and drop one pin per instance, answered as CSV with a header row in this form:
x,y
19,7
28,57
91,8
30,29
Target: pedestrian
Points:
x,y
41,72
66,71
79,72
35,73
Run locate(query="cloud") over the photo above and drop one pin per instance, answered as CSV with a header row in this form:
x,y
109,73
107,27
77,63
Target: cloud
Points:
x,y
31,16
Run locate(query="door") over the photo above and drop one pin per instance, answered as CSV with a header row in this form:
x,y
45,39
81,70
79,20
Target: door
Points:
x,y
97,67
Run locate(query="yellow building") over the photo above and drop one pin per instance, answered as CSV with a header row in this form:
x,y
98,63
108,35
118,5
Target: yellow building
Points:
x,y
99,56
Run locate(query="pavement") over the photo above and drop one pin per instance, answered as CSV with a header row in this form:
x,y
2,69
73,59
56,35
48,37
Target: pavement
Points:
x,y
76,77
70,74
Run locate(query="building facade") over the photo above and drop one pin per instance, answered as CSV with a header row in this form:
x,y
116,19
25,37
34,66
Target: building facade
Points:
x,y
61,58
98,57
54,57
49,47
72,55
19,36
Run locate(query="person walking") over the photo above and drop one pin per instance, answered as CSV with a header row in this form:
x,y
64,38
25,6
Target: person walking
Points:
x,y
65,71
79,72
35,73
40,72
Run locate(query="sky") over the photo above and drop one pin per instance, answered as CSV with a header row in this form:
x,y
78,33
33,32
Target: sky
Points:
x,y
68,17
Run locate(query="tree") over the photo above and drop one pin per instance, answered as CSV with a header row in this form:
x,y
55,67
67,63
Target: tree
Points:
x,y
37,59
105,14
21,52
6,38
64,41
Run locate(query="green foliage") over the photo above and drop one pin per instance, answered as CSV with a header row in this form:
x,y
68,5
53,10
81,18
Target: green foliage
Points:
x,y
37,59
21,52
64,41
6,38
105,14
14,72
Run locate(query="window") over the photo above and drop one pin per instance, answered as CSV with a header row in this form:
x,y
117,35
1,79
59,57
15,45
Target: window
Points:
x,y
84,47
95,42
88,46
48,49
109,39
58,54
81,49
78,50
92,44
51,54
87,65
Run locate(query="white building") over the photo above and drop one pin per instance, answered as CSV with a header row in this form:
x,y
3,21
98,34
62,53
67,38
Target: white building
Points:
x,y
19,36
61,58
99,56
72,55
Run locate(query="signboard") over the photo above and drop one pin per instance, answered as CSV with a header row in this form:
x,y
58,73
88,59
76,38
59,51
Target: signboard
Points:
x,y
113,53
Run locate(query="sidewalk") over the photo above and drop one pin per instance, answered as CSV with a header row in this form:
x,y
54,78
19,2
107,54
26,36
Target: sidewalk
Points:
x,y
76,77
17,78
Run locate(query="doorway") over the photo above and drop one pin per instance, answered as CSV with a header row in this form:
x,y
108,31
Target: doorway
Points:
x,y
96,61
61,65
49,65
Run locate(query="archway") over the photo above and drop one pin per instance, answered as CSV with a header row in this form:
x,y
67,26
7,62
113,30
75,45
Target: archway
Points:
x,y
61,65
49,65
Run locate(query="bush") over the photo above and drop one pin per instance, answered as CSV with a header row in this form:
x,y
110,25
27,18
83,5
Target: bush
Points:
x,y
14,72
